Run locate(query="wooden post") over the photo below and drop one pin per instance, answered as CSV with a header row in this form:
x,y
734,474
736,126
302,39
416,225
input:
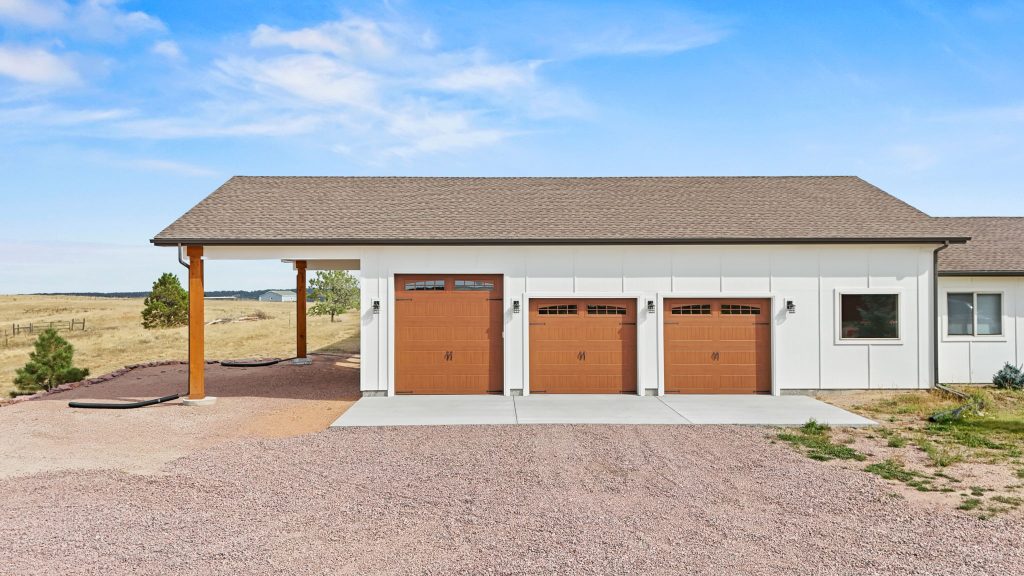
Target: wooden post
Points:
x,y
300,308
196,325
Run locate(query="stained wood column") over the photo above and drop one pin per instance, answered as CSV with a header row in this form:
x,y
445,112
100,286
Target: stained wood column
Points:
x,y
300,308
196,325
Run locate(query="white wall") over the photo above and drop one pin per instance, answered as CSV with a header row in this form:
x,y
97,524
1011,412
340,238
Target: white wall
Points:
x,y
974,359
806,352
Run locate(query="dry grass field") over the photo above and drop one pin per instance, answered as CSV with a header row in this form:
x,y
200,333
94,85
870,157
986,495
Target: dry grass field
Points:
x,y
114,336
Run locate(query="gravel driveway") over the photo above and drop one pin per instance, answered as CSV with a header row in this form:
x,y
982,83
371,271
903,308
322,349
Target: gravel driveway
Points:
x,y
492,500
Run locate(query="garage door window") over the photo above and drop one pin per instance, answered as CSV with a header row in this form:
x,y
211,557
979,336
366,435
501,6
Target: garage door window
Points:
x,y
605,310
692,309
869,316
973,314
425,285
740,309
557,310
474,285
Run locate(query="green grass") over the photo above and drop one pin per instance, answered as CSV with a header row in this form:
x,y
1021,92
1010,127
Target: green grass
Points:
x,y
1012,501
895,470
969,503
896,441
940,456
815,440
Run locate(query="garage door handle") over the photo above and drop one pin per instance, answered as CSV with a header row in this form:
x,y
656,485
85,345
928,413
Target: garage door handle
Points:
x,y
448,355
714,355
581,356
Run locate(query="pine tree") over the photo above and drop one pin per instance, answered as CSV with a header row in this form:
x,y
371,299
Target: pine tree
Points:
x,y
167,305
51,364
334,292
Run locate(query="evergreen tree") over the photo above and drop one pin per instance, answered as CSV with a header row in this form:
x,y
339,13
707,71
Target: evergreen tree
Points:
x,y
51,364
167,304
334,292
878,317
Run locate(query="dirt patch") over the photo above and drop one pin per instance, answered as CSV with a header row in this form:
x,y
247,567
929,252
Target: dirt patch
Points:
x,y
273,401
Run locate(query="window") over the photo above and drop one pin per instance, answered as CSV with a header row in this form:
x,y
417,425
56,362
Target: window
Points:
x,y
425,285
688,309
603,309
974,314
869,316
740,309
474,285
557,310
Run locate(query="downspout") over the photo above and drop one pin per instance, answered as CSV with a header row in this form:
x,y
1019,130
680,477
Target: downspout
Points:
x,y
935,319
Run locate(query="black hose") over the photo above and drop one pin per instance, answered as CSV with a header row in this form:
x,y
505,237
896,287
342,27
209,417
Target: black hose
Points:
x,y
123,405
253,364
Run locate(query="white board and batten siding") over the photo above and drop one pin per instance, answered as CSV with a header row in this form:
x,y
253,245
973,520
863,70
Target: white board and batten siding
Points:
x,y
975,359
807,352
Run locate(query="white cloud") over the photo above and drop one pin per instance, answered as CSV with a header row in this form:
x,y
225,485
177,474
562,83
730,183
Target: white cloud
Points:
x,y
34,13
46,115
36,66
95,19
489,77
168,49
104,19
349,37
310,77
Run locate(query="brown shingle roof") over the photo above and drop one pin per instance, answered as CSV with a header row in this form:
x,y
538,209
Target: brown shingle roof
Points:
x,y
996,247
396,210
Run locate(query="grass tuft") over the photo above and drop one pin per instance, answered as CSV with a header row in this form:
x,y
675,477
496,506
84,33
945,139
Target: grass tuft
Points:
x,y
969,503
815,439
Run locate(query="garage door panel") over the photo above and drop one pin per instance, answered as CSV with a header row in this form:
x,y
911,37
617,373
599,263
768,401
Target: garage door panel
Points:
x,y
718,346
582,346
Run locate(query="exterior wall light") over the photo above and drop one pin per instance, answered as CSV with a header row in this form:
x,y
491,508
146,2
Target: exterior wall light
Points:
x,y
650,307
376,306
790,307
515,306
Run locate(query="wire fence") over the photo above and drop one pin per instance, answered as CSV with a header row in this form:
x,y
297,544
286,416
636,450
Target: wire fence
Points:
x,y
8,334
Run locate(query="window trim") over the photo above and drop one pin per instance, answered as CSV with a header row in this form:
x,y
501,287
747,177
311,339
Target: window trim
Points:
x,y
947,337
838,317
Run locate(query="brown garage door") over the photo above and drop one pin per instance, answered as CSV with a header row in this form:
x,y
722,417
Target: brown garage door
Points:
x,y
582,346
717,346
448,334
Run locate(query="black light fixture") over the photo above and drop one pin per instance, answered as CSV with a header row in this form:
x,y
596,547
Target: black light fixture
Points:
x,y
790,307
650,306
515,306
376,306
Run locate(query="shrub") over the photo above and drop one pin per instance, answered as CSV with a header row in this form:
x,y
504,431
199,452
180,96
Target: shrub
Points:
x,y
167,305
49,365
1009,376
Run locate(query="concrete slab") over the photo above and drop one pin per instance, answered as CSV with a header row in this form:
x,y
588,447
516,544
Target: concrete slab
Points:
x,y
429,410
594,409
760,410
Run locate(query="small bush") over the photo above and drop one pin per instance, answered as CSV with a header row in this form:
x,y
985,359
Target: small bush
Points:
x,y
167,304
49,365
1009,376
896,441
814,437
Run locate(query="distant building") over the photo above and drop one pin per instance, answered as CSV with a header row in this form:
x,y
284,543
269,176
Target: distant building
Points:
x,y
278,296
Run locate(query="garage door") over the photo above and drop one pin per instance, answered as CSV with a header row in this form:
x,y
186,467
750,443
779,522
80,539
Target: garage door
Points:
x,y
717,346
582,346
448,334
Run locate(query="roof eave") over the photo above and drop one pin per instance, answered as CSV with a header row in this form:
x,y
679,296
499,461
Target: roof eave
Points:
x,y
981,272
539,241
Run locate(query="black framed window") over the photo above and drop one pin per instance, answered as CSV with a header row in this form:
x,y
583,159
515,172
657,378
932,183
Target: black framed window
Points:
x,y
425,285
557,310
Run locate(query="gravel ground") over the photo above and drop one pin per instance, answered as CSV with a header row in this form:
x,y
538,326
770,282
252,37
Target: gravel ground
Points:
x,y
491,500
273,401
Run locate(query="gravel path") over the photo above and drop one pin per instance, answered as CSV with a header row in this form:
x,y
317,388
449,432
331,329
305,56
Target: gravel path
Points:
x,y
491,500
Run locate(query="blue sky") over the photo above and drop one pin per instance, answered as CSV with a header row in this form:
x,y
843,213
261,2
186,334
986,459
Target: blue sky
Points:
x,y
116,117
